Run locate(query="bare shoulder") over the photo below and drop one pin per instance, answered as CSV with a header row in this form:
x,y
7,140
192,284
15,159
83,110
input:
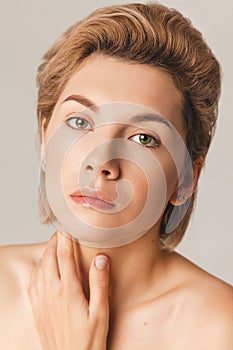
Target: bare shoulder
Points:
x,y
16,262
202,283
210,303
16,265
20,253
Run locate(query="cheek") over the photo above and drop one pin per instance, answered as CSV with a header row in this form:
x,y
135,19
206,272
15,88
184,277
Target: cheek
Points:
x,y
70,168
139,182
169,171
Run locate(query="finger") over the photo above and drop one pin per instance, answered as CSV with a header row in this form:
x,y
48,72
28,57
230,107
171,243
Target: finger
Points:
x,y
36,280
99,285
66,261
49,261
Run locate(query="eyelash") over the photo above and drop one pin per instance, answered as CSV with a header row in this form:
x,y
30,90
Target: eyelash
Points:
x,y
156,141
156,144
69,120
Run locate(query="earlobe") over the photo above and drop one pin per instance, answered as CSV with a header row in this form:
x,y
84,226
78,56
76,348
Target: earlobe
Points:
x,y
180,197
189,184
43,162
42,149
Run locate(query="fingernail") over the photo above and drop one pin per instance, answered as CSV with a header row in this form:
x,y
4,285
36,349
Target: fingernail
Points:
x,y
101,262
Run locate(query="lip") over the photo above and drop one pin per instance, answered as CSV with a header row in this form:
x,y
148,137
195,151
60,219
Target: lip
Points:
x,y
93,199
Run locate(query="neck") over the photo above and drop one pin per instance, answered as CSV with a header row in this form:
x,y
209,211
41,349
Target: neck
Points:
x,y
133,268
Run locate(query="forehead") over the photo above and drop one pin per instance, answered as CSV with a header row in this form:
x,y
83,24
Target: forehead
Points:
x,y
105,79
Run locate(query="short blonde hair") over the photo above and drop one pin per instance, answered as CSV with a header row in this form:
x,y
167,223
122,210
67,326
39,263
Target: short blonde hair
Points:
x,y
150,34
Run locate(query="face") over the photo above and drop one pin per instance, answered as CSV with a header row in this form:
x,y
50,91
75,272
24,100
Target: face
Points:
x,y
109,150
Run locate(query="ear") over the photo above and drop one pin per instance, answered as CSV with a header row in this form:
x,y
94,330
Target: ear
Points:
x,y
189,183
43,128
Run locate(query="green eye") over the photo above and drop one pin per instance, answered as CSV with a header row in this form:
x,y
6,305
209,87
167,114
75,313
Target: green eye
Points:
x,y
78,123
145,140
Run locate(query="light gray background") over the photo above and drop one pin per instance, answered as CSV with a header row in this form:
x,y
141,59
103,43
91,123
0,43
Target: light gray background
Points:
x,y
27,29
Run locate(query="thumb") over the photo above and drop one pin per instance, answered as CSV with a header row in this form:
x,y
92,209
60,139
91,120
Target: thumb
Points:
x,y
99,285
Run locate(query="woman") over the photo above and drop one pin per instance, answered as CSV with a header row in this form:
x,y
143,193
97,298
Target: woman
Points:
x,y
127,106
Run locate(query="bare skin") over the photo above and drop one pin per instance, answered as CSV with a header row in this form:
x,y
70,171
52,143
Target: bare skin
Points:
x,y
147,298
186,308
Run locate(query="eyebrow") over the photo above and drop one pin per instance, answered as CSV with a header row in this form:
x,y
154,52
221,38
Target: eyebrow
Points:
x,y
84,101
148,117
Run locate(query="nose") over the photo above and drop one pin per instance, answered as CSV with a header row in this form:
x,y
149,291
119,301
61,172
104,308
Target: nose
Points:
x,y
110,170
103,161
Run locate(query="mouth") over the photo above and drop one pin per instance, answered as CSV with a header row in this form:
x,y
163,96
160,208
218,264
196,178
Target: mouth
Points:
x,y
93,199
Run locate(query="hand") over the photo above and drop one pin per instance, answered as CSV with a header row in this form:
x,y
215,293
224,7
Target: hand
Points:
x,y
65,320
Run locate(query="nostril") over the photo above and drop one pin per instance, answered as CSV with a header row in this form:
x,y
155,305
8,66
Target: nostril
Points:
x,y
106,172
89,168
